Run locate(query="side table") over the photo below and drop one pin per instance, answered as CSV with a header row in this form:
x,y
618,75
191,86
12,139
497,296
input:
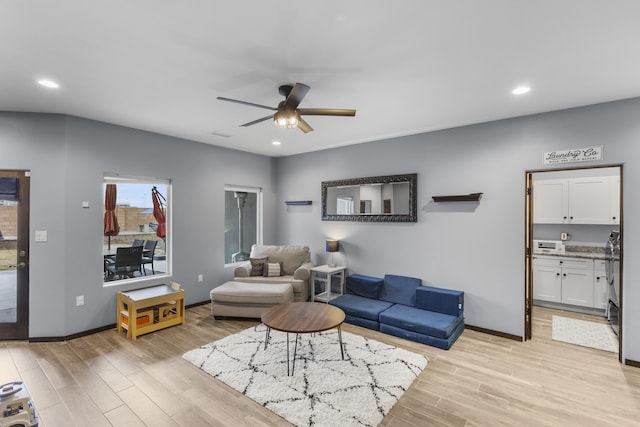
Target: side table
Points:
x,y
145,310
324,274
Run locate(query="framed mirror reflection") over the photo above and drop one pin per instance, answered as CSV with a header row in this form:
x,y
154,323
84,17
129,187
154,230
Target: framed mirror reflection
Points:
x,y
390,198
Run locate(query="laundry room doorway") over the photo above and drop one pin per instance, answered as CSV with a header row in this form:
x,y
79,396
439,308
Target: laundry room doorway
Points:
x,y
573,255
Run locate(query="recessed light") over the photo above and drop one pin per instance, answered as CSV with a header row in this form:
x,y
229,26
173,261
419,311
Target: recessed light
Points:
x,y
521,90
276,143
48,83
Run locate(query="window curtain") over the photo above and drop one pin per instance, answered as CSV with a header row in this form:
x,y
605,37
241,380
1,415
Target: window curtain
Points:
x,y
9,189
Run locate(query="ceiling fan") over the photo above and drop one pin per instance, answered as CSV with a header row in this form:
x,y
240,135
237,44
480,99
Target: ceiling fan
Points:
x,y
287,114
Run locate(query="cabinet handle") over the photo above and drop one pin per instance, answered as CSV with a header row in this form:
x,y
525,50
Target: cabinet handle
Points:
x,y
614,217
557,274
560,262
571,218
564,275
564,217
598,278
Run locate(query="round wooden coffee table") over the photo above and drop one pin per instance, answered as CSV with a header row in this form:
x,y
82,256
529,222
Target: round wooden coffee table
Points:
x,y
302,318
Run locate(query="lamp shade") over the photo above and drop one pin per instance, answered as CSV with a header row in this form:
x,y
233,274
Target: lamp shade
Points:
x,y
332,245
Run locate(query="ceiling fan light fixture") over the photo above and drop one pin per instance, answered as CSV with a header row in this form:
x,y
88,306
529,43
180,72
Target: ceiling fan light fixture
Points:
x,y
285,119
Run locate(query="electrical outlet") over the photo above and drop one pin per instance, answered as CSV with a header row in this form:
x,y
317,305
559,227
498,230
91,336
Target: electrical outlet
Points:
x,y
200,278
564,236
79,300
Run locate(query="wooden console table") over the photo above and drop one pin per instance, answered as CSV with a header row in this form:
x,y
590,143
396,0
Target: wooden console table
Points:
x,y
151,309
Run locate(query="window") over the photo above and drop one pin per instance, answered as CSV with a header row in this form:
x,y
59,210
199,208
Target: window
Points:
x,y
242,222
130,221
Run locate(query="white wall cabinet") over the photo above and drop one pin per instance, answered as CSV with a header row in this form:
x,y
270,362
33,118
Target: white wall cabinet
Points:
x,y
551,201
563,280
590,200
614,190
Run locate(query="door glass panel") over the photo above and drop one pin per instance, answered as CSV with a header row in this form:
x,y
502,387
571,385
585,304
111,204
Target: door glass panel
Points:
x,y
8,260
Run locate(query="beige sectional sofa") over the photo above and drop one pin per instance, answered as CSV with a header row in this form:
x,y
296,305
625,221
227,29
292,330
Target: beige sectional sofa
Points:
x,y
295,268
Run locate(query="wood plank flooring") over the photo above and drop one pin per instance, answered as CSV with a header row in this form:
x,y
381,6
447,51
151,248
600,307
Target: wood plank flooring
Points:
x,y
107,380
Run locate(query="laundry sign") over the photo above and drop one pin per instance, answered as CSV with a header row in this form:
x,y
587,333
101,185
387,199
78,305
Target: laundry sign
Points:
x,y
571,156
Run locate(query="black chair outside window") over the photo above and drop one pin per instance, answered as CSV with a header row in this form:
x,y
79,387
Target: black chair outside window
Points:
x,y
128,261
149,252
137,242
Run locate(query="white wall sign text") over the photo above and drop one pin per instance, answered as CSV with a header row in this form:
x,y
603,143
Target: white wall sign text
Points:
x,y
574,155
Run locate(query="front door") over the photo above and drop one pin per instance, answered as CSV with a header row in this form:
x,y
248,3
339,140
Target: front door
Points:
x,y
14,255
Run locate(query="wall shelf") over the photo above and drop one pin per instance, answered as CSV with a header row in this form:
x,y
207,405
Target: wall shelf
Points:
x,y
297,202
473,197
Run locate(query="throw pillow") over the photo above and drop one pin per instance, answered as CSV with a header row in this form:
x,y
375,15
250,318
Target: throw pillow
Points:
x,y
272,269
257,266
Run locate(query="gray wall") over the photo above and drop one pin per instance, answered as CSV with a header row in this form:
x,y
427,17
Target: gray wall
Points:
x,y
68,157
477,248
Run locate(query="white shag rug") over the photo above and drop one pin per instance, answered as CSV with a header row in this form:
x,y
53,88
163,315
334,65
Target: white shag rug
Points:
x,y
584,333
324,390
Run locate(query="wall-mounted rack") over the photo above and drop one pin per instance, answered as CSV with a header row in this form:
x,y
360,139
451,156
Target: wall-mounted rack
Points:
x,y
473,197
297,202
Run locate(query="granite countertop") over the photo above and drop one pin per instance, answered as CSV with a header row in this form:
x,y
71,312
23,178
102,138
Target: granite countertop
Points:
x,y
590,252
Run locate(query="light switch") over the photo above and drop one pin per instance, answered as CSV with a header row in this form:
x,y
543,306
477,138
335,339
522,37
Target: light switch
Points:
x,y
85,204
41,236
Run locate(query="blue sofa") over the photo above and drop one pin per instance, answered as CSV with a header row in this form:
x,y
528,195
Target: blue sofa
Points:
x,y
402,306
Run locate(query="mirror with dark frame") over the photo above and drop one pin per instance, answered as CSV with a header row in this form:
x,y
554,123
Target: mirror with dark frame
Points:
x,y
391,198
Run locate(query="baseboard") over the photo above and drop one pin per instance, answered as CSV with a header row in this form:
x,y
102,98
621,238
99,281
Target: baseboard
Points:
x,y
633,363
96,330
73,336
496,333
197,304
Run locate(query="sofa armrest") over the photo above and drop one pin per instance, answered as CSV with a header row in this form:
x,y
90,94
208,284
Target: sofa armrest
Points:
x,y
304,271
243,270
440,300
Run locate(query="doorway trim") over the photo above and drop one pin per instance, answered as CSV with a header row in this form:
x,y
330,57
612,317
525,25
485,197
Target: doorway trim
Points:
x,y
528,250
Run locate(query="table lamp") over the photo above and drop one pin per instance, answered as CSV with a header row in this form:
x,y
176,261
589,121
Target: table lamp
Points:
x,y
332,246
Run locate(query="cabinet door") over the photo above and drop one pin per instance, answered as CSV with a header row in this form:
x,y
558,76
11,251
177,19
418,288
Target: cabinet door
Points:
x,y
550,201
577,287
547,283
589,200
614,190
600,296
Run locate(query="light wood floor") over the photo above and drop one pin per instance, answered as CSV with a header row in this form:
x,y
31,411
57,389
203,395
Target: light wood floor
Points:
x,y
107,380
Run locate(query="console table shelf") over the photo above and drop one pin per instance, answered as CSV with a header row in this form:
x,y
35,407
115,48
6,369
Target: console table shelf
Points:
x,y
153,308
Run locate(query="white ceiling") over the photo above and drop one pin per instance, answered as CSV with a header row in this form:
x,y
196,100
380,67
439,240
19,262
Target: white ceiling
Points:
x,y
407,66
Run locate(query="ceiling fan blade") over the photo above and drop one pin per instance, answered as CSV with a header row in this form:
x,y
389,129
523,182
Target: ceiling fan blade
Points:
x,y
326,112
222,98
304,126
257,121
295,97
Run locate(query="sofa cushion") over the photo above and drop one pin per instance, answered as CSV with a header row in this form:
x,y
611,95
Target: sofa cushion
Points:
x,y
364,286
399,289
365,323
445,301
291,257
300,287
421,321
257,265
272,269
366,308
248,293
443,343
